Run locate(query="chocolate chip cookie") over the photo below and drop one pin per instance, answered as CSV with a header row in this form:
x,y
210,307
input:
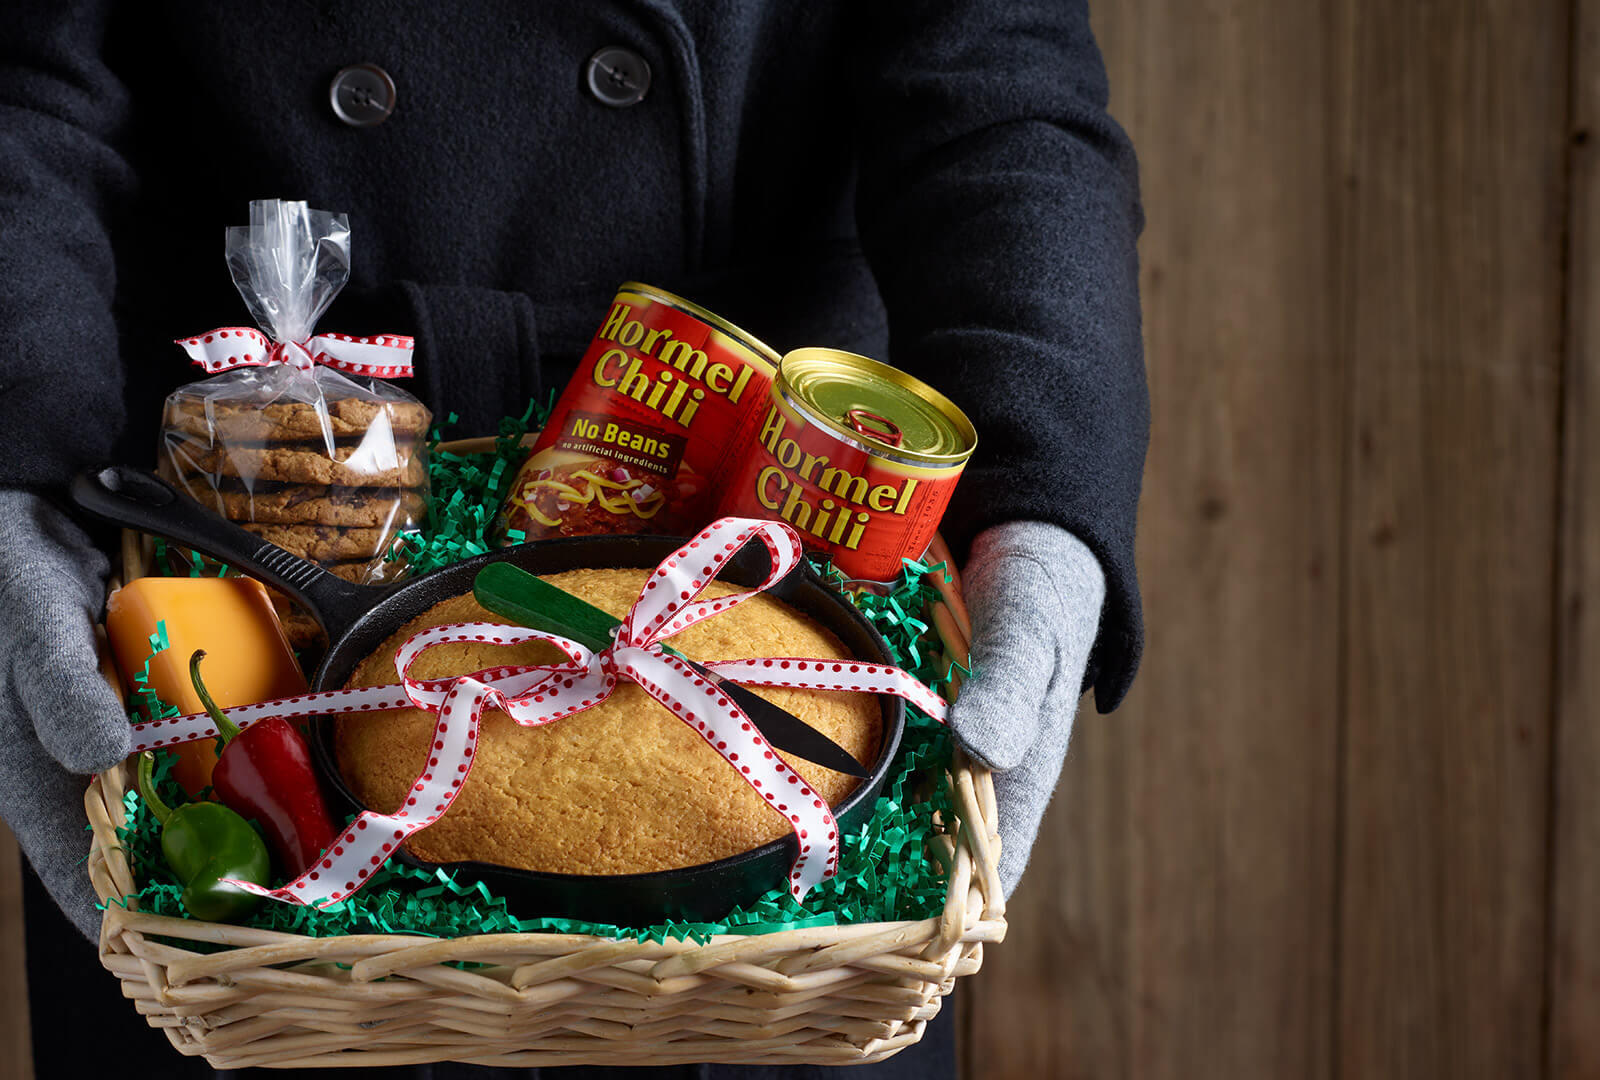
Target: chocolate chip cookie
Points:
x,y
325,543
349,466
291,421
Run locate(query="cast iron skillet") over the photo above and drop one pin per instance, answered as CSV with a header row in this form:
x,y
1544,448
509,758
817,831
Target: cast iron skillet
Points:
x,y
358,619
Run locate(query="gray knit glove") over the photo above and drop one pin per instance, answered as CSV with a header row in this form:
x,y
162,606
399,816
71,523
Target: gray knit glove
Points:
x,y
1035,593
59,721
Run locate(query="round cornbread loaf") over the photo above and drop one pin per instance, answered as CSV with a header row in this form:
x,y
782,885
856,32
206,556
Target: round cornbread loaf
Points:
x,y
624,787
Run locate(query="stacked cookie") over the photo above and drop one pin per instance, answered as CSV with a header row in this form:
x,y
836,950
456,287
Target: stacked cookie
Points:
x,y
333,481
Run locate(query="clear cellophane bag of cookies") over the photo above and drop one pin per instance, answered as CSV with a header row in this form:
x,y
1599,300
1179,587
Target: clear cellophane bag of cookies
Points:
x,y
327,464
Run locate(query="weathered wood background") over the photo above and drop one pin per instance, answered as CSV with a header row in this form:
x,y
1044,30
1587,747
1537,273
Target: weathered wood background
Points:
x,y
1348,824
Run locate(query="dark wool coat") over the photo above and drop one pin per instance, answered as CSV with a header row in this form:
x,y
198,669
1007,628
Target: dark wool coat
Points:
x,y
933,183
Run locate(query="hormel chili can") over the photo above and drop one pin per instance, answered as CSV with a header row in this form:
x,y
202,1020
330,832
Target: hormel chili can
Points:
x,y
638,441
858,456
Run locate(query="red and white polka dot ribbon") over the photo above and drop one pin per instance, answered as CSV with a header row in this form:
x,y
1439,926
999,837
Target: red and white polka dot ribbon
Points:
x,y
533,695
386,356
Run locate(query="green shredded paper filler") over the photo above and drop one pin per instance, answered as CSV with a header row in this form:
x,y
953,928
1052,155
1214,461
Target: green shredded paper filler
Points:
x,y
887,869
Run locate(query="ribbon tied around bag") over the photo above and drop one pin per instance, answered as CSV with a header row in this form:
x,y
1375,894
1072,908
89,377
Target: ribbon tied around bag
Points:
x,y
384,356
534,695
288,264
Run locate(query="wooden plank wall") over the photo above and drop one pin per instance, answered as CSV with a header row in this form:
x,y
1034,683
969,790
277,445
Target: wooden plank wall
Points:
x,y
1452,273
1347,825
1179,920
1574,933
16,1052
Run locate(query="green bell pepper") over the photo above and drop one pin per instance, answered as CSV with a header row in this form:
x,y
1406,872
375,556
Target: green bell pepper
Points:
x,y
205,842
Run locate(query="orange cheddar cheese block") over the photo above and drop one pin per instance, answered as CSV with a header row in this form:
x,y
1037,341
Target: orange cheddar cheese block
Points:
x,y
247,657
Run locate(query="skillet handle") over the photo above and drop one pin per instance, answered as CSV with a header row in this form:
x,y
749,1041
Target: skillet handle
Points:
x,y
136,499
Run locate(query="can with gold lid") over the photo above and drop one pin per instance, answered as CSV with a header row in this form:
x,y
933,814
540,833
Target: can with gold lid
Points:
x,y
639,439
860,457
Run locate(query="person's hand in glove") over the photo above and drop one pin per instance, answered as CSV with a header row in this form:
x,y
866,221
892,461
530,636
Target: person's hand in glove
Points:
x,y
59,721
1034,591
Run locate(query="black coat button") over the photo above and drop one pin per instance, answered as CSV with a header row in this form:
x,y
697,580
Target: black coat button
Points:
x,y
362,95
618,77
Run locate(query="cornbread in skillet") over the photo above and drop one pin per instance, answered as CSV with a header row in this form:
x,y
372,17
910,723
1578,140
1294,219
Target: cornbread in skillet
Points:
x,y
624,787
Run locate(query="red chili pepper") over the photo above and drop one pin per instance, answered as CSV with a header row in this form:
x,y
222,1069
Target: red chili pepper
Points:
x,y
264,772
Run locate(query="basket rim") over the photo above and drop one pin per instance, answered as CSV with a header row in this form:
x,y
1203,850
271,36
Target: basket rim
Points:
x,y
971,784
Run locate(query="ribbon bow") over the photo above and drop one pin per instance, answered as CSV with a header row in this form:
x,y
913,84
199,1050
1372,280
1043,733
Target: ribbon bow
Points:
x,y
534,695
386,356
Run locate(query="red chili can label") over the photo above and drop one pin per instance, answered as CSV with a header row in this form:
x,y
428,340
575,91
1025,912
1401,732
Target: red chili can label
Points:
x,y
638,441
859,457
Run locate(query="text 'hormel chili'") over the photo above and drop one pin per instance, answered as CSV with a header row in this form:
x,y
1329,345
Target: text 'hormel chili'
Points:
x,y
638,441
859,456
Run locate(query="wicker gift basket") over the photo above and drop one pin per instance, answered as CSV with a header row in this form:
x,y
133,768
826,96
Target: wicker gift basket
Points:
x,y
846,994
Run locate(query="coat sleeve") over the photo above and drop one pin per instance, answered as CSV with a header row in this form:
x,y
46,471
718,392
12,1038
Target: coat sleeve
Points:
x,y
62,183
998,205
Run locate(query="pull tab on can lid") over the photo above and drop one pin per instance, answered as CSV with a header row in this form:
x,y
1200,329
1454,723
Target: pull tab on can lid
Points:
x,y
895,415
885,430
